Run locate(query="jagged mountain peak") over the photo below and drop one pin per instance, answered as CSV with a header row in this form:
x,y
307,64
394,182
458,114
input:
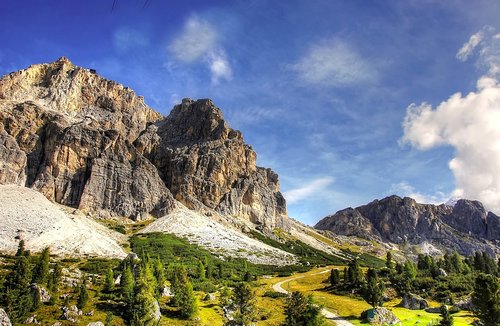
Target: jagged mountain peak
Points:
x,y
194,121
91,143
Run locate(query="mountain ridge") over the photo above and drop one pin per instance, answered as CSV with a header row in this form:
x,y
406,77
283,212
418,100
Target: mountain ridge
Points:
x,y
467,227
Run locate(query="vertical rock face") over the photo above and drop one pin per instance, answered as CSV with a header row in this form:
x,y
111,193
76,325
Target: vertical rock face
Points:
x,y
74,132
91,143
206,163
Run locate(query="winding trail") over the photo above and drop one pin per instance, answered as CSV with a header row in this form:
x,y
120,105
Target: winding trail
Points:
x,y
327,313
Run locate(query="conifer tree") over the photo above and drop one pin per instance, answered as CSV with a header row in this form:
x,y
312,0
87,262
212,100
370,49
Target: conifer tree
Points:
x,y
144,304
388,260
334,277
301,311
373,289
127,285
242,302
355,274
486,299
55,277
183,292
20,248
109,283
41,271
83,296
159,273
201,271
17,297
446,317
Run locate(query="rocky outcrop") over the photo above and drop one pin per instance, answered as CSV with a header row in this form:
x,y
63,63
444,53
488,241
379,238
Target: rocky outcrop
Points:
x,y
4,318
413,302
90,143
206,163
466,227
380,316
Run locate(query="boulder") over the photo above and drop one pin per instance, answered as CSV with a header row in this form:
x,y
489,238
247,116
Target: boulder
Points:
x,y
97,323
4,318
413,302
157,313
380,316
44,293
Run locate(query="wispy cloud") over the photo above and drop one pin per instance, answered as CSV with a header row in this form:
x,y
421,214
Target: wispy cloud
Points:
x,y
125,39
469,124
334,63
486,43
315,186
197,39
199,42
405,189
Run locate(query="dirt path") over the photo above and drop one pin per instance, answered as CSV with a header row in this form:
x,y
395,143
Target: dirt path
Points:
x,y
327,313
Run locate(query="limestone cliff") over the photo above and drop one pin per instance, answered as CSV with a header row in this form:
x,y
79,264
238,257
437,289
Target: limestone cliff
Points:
x,y
466,227
91,143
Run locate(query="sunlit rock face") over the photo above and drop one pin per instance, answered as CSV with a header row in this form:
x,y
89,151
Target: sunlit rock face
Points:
x,y
91,143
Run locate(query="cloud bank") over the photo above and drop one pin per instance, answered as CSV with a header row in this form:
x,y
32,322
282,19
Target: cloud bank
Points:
x,y
198,42
470,123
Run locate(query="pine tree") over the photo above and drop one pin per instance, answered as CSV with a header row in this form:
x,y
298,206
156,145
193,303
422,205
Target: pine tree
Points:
x,y
41,271
17,296
83,296
159,274
388,260
109,283
20,248
334,277
301,311
127,285
355,274
201,271
486,299
143,306
373,289
446,317
183,292
55,278
242,302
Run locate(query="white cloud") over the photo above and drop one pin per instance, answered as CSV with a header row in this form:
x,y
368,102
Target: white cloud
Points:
x,y
219,67
126,39
468,48
196,40
199,42
487,43
406,190
334,63
315,186
471,124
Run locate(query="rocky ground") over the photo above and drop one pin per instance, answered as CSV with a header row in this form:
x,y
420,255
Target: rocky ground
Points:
x,y
218,237
27,214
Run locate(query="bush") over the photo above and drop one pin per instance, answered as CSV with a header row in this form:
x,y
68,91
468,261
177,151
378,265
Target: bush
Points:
x,y
275,295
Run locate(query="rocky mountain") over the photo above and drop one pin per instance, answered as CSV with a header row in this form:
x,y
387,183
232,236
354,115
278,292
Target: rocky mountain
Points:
x,y
93,144
466,227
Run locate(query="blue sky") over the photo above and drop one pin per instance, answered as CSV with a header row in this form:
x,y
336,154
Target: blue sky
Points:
x,y
320,89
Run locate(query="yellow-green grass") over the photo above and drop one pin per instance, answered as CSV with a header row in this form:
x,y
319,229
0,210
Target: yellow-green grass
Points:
x,y
351,307
209,313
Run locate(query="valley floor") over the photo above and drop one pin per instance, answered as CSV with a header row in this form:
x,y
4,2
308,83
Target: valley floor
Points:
x,y
350,308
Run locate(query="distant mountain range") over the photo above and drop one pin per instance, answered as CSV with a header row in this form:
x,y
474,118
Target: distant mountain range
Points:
x,y
465,227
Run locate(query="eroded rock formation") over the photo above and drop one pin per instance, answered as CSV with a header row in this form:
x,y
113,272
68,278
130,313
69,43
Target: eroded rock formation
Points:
x,y
91,143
